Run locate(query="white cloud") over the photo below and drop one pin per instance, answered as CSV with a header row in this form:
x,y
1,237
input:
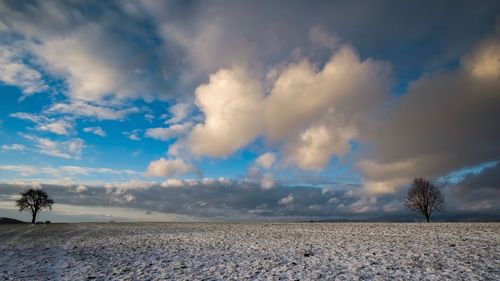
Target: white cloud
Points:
x,y
91,71
70,149
80,108
13,71
316,112
81,188
12,147
267,181
169,167
149,117
169,132
286,200
95,130
313,114
27,116
134,135
132,184
232,104
195,182
59,127
179,112
266,160
29,170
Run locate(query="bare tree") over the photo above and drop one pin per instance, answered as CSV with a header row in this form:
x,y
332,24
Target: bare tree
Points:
x,y
424,198
34,200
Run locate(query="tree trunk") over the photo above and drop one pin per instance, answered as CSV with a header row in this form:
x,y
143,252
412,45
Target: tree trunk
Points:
x,y
33,218
427,217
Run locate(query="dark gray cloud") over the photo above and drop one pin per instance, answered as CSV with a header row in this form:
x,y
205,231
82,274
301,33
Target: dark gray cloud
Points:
x,y
478,192
150,44
223,200
443,123
243,199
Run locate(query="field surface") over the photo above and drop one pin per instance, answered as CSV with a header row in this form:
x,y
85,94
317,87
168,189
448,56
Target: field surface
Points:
x,y
220,251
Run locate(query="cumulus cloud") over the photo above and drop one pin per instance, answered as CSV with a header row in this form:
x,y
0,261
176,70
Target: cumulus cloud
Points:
x,y
169,132
169,167
69,149
93,55
14,72
267,181
440,125
95,130
179,112
313,113
316,113
266,160
232,105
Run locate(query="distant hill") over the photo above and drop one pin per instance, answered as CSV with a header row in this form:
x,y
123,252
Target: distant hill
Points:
x,y
10,221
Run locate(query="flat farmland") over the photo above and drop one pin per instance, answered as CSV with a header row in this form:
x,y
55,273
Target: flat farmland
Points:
x,y
250,251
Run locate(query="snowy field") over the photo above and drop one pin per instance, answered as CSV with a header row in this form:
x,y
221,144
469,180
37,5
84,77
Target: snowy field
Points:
x,y
220,251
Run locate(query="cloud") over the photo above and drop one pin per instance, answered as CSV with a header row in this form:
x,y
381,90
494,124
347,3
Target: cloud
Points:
x,y
313,113
132,184
12,147
316,113
286,200
133,135
14,72
483,62
169,132
59,127
267,181
27,116
179,112
196,182
169,167
439,126
266,160
149,117
232,105
85,109
62,171
95,130
95,57
69,149
211,198
477,192
81,188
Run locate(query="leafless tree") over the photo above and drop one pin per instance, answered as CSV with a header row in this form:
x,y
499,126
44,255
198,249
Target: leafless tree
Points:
x,y
34,200
424,198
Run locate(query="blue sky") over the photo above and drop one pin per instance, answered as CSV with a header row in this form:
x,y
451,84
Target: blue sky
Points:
x,y
351,100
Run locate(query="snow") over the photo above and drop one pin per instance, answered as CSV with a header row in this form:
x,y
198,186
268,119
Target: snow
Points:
x,y
251,251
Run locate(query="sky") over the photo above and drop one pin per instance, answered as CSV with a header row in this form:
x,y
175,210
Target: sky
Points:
x,y
248,110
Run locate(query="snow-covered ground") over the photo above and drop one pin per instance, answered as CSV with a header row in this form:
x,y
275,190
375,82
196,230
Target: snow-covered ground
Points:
x,y
260,251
